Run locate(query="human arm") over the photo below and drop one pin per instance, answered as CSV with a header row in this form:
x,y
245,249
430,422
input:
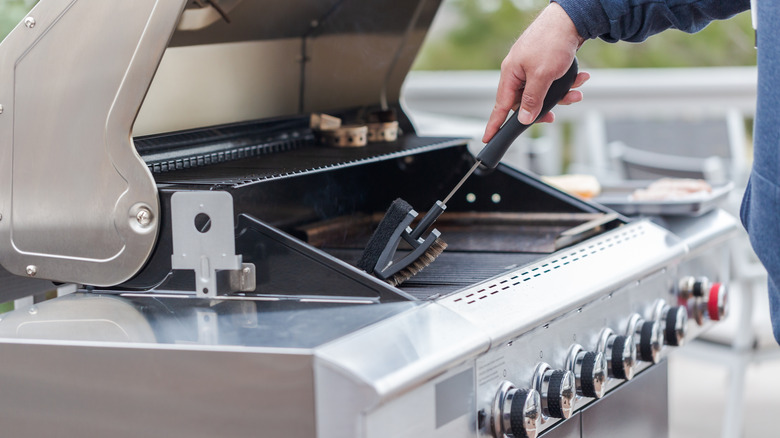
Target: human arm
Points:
x,y
546,48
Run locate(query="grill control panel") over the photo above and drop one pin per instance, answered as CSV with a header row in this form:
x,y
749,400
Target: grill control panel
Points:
x,y
576,358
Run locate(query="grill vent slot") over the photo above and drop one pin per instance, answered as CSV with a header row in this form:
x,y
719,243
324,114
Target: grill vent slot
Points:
x,y
507,284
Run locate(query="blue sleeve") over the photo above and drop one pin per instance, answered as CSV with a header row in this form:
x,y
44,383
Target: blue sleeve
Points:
x,y
635,20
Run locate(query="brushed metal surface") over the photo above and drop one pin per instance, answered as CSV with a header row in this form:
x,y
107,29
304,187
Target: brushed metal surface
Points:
x,y
405,354
512,303
72,182
628,412
210,248
131,392
224,83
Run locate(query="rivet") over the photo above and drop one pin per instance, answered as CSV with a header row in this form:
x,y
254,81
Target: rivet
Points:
x,y
29,22
144,217
1,109
1,216
32,310
32,270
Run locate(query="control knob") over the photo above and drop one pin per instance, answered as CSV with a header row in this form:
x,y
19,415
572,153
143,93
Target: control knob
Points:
x,y
589,369
693,287
674,321
620,353
704,299
717,302
556,389
648,336
517,412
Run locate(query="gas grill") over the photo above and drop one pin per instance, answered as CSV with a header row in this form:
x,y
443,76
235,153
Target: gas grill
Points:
x,y
214,236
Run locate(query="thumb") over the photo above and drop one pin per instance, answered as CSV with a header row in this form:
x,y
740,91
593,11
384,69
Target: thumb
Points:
x,y
531,101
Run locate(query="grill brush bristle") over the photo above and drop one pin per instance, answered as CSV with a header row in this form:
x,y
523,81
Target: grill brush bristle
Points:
x,y
419,264
378,257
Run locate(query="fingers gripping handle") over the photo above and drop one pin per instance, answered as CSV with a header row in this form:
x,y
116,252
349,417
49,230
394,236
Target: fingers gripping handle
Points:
x,y
492,153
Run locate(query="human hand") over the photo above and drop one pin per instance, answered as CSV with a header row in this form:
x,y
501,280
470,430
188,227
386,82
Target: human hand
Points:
x,y
542,54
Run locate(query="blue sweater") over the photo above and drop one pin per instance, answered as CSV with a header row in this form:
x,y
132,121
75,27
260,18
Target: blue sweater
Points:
x,y
635,20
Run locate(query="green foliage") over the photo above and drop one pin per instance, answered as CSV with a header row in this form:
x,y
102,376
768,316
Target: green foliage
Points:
x,y
479,39
11,13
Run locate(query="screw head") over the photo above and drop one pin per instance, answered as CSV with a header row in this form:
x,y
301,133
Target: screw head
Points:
x,y
31,270
1,109
29,22
144,217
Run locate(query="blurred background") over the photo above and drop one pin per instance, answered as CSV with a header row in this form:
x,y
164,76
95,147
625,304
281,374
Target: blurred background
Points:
x,y
675,105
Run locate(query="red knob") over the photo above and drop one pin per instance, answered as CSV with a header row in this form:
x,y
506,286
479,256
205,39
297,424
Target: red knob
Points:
x,y
716,302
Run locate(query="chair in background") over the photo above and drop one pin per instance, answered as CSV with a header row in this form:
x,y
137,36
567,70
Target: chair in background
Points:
x,y
643,147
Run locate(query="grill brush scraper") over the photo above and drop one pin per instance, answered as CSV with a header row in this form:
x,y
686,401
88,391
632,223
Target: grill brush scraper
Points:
x,y
379,256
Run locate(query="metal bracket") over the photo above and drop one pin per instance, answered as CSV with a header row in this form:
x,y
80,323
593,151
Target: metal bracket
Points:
x,y
203,240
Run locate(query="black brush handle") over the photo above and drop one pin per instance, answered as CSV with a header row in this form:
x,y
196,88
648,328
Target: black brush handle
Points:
x,y
492,153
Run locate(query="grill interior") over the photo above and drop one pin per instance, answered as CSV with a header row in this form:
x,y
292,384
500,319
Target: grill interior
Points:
x,y
331,199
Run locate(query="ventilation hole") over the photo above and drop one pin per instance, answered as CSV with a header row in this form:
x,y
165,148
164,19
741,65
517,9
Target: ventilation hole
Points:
x,y
202,222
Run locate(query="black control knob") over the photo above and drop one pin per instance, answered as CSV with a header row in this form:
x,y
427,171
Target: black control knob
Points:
x,y
648,336
517,412
650,341
693,287
675,323
620,352
556,389
590,371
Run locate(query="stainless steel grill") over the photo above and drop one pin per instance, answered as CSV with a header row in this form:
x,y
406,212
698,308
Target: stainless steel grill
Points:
x,y
215,251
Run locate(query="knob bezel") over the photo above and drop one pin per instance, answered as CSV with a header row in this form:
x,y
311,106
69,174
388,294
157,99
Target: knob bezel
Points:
x,y
546,380
590,371
620,353
504,406
648,336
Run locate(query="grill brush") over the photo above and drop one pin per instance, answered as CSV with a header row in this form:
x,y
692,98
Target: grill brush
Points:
x,y
379,257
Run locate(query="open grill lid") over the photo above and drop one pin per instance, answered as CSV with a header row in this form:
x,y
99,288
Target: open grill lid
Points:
x,y
264,59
